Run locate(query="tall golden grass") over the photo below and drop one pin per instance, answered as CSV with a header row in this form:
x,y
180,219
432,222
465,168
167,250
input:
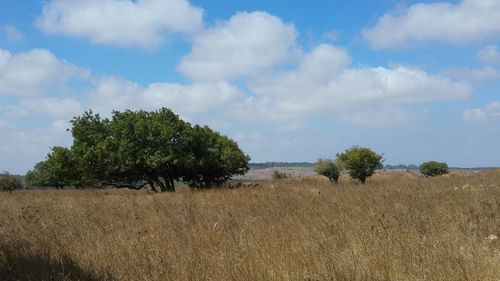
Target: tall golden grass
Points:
x,y
396,227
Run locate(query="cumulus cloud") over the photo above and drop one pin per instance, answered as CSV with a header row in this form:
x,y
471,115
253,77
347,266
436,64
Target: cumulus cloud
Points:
x,y
53,107
127,23
243,45
31,73
112,93
466,21
490,112
473,75
22,148
489,55
325,83
384,116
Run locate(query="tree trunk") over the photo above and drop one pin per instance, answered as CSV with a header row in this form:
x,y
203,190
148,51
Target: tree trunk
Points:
x,y
172,183
363,180
161,184
152,186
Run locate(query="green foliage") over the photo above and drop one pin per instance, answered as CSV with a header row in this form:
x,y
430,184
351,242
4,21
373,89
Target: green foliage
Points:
x,y
327,168
9,182
278,175
433,168
361,162
210,159
132,150
58,170
138,148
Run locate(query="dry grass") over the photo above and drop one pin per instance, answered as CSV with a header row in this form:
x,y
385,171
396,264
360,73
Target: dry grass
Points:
x,y
397,227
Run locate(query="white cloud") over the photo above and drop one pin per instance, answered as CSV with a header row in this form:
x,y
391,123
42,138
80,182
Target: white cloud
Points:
x,y
490,112
246,44
22,148
384,117
33,72
12,34
466,21
59,127
112,93
52,107
473,75
324,83
489,55
138,23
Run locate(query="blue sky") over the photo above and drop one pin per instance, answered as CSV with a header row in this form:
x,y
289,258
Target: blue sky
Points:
x,y
289,80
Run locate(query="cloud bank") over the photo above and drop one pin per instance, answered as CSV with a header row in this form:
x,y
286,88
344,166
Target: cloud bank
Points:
x,y
125,23
466,21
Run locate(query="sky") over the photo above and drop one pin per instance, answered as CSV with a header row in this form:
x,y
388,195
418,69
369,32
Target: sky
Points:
x,y
288,80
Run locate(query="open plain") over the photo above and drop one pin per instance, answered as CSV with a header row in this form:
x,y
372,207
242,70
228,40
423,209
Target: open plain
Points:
x,y
396,227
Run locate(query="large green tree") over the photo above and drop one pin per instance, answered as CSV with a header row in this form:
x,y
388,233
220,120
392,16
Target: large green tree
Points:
x,y
361,162
135,149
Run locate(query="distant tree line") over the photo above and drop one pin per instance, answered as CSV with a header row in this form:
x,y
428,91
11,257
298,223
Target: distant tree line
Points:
x,y
279,164
401,167
135,149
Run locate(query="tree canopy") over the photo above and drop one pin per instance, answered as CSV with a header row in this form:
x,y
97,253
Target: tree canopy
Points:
x,y
433,168
135,149
361,162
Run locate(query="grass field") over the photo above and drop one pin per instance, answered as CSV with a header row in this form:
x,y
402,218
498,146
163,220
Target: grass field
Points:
x,y
396,227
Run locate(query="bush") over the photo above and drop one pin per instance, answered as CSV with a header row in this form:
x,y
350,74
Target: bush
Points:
x,y
433,168
361,162
9,182
327,168
278,175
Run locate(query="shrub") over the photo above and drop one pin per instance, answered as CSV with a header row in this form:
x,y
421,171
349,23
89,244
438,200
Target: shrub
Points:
x,y
278,175
361,162
9,182
327,168
433,168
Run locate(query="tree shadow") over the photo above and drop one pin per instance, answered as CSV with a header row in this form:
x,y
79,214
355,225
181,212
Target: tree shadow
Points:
x,y
19,262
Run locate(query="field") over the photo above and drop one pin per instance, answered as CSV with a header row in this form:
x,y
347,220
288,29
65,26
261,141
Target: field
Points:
x,y
396,227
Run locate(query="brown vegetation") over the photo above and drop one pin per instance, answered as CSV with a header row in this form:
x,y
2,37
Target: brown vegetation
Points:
x,y
396,227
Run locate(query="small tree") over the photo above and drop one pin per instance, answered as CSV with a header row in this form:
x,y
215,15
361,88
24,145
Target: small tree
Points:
x,y
361,162
9,182
327,168
433,168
